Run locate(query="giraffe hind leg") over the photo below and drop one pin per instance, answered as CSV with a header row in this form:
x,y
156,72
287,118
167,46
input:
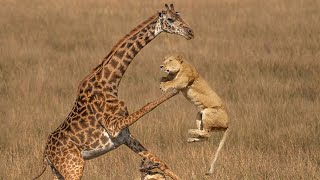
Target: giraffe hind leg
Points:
x,y
69,165
135,146
56,174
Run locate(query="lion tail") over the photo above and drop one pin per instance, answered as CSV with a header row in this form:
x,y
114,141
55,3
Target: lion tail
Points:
x,y
224,137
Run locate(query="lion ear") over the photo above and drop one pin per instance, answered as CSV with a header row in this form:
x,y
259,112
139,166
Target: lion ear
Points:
x,y
179,58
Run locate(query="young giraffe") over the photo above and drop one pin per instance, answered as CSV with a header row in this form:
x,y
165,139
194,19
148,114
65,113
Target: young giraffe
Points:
x,y
99,121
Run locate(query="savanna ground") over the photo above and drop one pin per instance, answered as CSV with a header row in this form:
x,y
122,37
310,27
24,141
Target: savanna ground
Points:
x,y
262,57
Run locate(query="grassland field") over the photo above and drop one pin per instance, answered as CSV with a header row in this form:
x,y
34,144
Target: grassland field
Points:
x,y
261,57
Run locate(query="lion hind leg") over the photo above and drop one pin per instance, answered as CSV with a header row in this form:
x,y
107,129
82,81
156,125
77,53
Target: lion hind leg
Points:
x,y
200,139
199,133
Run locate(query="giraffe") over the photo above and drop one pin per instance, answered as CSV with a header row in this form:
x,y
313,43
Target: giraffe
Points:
x,y
99,122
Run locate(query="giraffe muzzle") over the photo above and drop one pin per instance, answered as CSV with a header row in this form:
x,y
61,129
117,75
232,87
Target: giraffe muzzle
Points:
x,y
189,33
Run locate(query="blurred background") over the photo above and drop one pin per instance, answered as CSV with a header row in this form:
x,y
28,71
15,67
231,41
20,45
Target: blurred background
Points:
x,y
261,57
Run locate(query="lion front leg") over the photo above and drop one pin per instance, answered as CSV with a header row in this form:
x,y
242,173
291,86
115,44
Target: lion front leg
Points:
x,y
178,83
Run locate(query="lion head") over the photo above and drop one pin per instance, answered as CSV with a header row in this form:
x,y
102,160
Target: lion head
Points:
x,y
172,64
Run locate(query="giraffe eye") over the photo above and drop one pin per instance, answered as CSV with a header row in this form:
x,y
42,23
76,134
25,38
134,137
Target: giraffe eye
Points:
x,y
170,20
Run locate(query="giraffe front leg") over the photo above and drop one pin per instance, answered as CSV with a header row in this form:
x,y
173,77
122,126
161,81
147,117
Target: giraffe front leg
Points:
x,y
135,146
120,123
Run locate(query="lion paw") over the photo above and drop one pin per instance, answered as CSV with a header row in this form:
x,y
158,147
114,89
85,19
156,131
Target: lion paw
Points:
x,y
163,87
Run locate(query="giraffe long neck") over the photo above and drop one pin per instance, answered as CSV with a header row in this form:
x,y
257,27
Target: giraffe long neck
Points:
x,y
107,75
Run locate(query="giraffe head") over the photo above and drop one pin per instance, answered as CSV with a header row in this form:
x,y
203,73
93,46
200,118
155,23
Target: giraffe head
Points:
x,y
170,21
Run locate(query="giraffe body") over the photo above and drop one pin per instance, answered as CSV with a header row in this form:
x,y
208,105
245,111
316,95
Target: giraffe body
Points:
x,y
111,144
99,121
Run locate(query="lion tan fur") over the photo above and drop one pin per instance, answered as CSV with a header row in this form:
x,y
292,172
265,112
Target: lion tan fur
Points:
x,y
212,114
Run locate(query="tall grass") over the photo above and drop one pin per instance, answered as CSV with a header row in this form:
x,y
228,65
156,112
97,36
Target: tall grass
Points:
x,y
261,57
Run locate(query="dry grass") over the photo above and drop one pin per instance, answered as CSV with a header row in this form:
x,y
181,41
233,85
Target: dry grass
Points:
x,y
262,57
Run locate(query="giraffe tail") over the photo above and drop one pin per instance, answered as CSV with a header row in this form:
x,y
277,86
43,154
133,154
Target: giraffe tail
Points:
x,y
224,137
44,167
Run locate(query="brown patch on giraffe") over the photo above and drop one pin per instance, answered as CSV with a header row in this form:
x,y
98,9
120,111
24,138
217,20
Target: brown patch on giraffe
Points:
x,y
83,124
114,63
144,30
98,107
107,89
75,127
139,45
81,136
95,144
119,54
107,72
128,58
103,82
98,115
134,50
129,44
90,109
92,121
93,79
133,38
84,84
81,109
99,74
147,39
114,77
84,114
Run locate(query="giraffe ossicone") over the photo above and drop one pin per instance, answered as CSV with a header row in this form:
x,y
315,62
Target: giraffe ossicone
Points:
x,y
99,122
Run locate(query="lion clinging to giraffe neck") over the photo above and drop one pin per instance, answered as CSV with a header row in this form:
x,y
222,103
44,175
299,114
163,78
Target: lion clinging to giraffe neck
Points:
x,y
99,121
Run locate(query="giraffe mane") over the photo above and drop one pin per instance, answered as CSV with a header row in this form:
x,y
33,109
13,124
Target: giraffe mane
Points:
x,y
119,43
129,35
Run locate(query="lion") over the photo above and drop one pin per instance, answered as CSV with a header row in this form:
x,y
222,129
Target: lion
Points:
x,y
212,114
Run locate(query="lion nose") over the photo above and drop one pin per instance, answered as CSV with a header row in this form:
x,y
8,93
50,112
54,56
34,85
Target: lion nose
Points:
x,y
161,66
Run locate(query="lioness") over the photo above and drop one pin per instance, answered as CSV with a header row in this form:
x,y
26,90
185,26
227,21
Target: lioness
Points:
x,y
212,115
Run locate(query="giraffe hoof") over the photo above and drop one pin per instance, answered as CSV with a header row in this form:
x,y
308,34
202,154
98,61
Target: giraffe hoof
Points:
x,y
209,173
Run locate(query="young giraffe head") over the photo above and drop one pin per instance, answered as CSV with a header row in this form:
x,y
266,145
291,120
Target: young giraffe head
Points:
x,y
170,21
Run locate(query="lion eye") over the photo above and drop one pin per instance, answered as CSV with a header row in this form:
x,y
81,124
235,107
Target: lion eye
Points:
x,y
170,20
